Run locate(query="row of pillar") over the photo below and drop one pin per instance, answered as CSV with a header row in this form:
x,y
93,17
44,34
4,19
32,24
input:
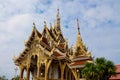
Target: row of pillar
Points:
x,y
27,73
68,75
62,68
38,71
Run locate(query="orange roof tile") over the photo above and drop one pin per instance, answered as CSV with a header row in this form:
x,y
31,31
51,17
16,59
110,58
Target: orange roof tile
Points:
x,y
56,54
118,68
78,63
62,46
117,77
82,58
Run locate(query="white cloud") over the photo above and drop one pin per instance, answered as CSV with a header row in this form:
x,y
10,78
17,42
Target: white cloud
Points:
x,y
99,23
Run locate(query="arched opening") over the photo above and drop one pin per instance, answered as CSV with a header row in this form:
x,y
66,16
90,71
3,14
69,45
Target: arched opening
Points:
x,y
42,71
24,73
54,72
65,72
33,66
68,75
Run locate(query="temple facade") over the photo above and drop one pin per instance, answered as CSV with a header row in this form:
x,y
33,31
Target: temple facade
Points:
x,y
47,56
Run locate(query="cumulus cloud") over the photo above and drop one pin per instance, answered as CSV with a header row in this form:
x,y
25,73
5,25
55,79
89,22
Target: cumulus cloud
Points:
x,y
99,24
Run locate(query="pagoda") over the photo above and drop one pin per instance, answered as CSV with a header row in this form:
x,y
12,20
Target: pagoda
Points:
x,y
47,56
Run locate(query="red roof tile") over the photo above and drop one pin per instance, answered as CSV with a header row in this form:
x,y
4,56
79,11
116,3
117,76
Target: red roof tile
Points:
x,y
117,77
118,68
56,54
78,63
62,45
80,57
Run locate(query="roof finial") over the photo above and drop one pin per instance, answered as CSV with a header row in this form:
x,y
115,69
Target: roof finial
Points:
x,y
78,26
58,13
44,23
34,24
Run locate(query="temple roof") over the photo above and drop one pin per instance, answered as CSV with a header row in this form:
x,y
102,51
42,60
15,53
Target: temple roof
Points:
x,y
49,39
117,77
77,64
78,58
53,43
80,47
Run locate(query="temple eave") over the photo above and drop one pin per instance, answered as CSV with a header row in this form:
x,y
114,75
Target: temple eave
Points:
x,y
47,55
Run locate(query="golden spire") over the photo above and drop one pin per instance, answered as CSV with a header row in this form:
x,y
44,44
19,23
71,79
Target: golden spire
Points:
x,y
58,20
78,26
79,40
58,13
79,44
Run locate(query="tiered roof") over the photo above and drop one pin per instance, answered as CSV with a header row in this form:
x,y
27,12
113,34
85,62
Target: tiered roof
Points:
x,y
51,40
55,45
117,77
80,54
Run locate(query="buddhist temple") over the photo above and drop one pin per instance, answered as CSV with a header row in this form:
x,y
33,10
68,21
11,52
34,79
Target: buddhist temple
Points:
x,y
48,56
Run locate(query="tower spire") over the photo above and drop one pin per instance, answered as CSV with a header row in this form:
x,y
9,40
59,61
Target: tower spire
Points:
x,y
80,49
78,26
58,13
44,23
33,24
58,20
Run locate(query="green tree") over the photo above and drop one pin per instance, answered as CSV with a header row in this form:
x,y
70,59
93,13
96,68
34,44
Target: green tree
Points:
x,y
89,72
15,78
3,78
102,69
105,68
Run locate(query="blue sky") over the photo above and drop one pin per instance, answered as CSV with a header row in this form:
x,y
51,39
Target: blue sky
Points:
x,y
99,26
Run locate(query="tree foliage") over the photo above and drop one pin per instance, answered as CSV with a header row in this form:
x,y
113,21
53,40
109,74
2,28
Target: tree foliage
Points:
x,y
89,71
101,69
3,78
16,78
